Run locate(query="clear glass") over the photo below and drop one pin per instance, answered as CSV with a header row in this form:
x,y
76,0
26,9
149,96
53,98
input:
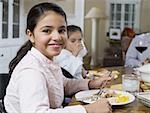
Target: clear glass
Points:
x,y
130,83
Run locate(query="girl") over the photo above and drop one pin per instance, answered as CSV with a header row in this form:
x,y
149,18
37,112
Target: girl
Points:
x,y
37,84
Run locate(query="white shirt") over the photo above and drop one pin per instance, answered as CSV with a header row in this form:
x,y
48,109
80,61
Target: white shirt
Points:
x,y
38,86
135,58
71,63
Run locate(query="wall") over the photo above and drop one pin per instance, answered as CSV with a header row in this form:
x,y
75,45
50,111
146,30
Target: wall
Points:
x,y
74,9
101,36
145,16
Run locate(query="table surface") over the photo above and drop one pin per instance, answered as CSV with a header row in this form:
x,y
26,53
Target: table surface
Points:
x,y
134,107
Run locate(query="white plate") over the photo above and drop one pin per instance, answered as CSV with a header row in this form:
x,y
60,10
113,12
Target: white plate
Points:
x,y
144,98
83,95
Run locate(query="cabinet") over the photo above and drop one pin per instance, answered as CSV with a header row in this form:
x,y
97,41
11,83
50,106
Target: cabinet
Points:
x,y
113,54
6,55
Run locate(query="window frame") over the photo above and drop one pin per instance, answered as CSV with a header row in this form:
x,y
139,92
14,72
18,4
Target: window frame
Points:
x,y
1,13
122,2
10,40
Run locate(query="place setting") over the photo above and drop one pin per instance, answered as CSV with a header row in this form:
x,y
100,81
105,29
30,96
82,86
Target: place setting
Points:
x,y
118,94
115,97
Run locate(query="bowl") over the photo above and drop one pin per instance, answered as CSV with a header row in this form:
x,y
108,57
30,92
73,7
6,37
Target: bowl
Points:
x,y
145,73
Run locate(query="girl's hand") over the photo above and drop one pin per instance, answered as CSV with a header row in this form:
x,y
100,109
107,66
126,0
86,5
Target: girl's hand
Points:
x,y
101,106
100,82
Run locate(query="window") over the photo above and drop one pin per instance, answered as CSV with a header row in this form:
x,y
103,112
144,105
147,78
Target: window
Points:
x,y
16,19
123,13
5,19
10,19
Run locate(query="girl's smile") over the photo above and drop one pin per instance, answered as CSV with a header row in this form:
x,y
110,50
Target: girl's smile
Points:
x,y
49,34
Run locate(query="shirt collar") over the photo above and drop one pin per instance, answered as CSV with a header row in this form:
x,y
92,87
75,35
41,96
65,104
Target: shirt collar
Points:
x,y
43,59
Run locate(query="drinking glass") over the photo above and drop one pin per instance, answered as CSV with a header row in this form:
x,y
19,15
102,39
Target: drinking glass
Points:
x,y
141,44
130,83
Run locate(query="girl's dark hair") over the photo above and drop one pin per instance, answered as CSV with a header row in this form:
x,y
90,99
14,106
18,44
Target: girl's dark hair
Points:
x,y
73,28
32,19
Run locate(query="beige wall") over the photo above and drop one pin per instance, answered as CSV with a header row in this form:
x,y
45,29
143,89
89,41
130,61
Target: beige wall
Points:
x,y
101,36
69,3
145,16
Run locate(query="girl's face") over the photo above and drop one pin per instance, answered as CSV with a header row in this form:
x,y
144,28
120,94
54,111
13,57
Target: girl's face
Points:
x,y
49,34
74,38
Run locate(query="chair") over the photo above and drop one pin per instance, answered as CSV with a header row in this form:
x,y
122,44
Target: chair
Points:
x,y
2,109
66,73
4,79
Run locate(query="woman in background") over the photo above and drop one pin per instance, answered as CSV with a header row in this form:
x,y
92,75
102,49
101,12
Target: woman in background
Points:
x,y
135,57
126,37
37,84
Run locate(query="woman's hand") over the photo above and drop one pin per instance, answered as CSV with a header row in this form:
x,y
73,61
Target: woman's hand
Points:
x,y
100,82
146,61
101,106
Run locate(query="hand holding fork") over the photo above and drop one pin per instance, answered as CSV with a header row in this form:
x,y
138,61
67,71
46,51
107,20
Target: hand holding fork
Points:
x,y
103,85
101,82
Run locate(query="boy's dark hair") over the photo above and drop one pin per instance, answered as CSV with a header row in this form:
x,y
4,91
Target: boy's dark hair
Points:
x,y
73,28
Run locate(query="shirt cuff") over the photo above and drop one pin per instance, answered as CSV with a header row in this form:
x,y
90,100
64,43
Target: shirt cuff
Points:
x,y
76,109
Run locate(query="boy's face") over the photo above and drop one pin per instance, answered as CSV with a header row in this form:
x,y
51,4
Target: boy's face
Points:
x,y
75,38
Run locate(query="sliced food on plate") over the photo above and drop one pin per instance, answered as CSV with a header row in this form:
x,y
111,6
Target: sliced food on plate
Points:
x,y
103,72
99,72
115,74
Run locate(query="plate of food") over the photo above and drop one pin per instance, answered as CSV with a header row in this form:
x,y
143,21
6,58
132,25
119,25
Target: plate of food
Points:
x,y
115,97
99,72
102,72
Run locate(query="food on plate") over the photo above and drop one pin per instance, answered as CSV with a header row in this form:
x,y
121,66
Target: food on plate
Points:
x,y
122,98
108,93
112,96
115,74
99,72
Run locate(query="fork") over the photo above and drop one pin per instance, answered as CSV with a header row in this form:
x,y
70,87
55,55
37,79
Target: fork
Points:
x,y
101,89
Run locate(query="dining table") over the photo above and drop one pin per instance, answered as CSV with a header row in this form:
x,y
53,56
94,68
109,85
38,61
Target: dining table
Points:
x,y
135,107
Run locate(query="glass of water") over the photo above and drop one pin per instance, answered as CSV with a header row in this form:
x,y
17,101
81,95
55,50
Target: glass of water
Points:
x,y
130,83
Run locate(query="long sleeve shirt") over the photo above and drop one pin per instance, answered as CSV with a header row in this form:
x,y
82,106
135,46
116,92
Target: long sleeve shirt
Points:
x,y
38,86
133,57
71,63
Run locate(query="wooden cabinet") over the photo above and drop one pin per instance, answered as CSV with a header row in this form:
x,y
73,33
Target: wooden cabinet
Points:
x,y
113,54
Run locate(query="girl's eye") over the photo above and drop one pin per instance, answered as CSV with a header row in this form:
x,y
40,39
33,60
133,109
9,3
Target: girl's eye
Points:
x,y
62,31
47,30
